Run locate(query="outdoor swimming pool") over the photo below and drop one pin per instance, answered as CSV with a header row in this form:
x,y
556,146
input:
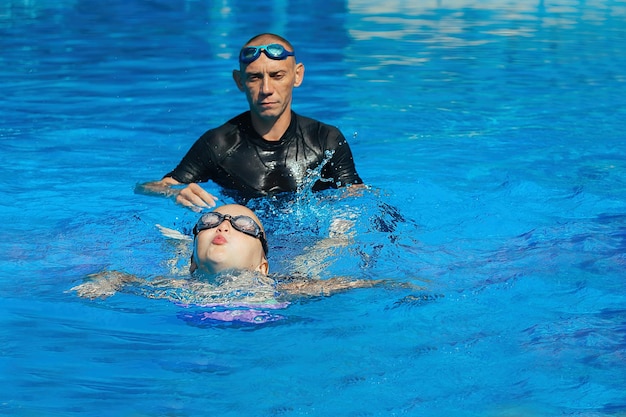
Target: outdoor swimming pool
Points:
x,y
491,135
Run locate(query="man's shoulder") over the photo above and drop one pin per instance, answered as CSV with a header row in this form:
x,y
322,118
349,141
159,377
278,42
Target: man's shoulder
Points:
x,y
228,132
236,123
305,121
308,123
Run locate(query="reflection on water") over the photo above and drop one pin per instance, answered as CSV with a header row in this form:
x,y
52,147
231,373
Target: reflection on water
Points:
x,y
17,12
475,33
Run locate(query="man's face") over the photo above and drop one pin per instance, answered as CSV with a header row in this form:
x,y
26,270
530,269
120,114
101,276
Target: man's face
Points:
x,y
223,247
268,84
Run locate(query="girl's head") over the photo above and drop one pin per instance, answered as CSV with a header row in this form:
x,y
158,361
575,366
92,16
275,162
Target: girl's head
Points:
x,y
230,237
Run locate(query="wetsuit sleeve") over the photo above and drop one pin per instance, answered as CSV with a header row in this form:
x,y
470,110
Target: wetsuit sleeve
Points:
x,y
341,167
197,165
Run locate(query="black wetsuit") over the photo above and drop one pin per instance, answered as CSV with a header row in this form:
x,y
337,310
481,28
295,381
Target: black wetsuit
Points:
x,y
237,158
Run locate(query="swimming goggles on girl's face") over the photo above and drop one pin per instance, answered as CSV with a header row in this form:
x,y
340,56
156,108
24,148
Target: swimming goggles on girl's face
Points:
x,y
249,54
243,224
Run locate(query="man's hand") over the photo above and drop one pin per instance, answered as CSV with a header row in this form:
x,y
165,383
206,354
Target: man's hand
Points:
x,y
195,198
354,190
191,196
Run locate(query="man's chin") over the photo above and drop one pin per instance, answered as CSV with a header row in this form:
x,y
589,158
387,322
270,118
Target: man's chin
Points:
x,y
268,113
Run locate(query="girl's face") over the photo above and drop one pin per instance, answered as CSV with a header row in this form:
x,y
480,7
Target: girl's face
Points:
x,y
223,247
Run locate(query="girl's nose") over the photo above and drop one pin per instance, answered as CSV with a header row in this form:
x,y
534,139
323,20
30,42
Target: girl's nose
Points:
x,y
224,226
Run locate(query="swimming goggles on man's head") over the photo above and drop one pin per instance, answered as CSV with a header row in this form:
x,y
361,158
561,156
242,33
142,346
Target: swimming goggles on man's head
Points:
x,y
243,224
249,54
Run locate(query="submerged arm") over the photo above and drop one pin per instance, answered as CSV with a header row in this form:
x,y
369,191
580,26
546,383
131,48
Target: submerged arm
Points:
x,y
323,287
311,287
106,283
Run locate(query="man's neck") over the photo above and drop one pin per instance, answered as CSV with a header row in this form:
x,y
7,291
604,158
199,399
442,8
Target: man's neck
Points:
x,y
271,129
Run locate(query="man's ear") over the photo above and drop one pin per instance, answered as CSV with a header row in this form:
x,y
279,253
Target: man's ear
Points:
x,y
237,78
299,75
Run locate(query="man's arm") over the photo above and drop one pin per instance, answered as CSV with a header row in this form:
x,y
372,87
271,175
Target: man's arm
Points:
x,y
191,195
341,167
162,187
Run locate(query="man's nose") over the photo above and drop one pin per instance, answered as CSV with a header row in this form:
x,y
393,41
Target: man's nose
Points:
x,y
266,85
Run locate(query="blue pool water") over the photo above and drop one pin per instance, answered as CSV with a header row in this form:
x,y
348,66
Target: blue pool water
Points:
x,y
491,134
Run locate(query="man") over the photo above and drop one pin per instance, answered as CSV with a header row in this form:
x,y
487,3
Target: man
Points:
x,y
268,149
